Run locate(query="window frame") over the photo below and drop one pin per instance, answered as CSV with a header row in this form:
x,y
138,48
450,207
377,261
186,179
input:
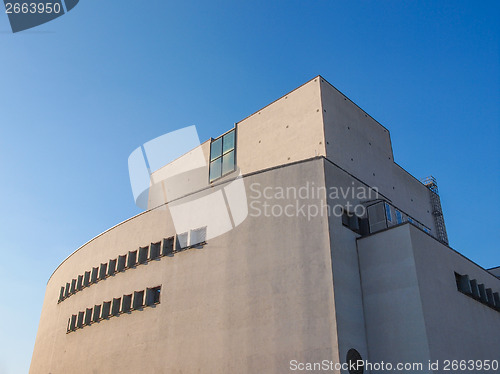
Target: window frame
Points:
x,y
221,156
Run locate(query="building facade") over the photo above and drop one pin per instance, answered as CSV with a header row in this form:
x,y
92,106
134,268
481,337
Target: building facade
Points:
x,y
338,254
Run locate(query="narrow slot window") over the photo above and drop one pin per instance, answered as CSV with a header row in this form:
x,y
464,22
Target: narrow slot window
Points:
x,y
168,246
95,272
155,251
88,316
112,267
106,308
126,303
66,290
474,289
61,294
102,271
115,309
97,313
73,286
72,324
121,262
132,259
79,322
482,293
79,283
86,279
138,299
143,255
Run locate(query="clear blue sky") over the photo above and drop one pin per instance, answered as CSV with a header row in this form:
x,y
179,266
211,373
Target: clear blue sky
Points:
x,y
78,94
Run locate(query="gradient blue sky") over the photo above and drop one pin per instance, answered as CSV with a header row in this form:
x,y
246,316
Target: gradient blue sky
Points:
x,y
78,94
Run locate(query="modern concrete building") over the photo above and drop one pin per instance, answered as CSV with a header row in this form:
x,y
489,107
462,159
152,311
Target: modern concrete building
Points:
x,y
300,245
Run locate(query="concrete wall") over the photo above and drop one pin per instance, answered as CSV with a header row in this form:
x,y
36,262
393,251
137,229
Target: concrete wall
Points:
x,y
413,310
362,146
248,301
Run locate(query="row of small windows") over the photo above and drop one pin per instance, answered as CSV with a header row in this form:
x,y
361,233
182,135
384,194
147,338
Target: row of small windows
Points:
x,y
478,291
381,215
133,258
114,307
222,155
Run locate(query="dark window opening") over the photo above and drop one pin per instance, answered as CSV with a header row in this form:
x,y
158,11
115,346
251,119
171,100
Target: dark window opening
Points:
x,y
143,255
79,322
86,279
112,267
73,286
132,259
138,299
61,294
102,271
115,309
168,246
153,295
97,313
121,262
72,323
88,316
106,307
93,278
79,283
66,290
354,223
126,303
155,251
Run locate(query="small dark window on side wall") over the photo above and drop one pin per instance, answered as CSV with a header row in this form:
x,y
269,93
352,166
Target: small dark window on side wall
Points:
x,y
222,155
153,295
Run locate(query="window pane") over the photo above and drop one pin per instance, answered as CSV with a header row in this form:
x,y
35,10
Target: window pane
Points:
x,y
228,142
228,162
216,149
215,169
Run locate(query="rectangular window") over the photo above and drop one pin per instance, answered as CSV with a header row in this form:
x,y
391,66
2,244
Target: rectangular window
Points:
x,y
115,309
198,236
86,279
102,271
482,293
496,299
222,155
138,299
121,262
168,246
388,212
182,241
106,308
66,290
463,283
93,278
155,251
79,322
126,303
399,217
79,283
112,267
143,255
72,323
73,286
132,259
474,288
153,295
97,313
61,294
88,316
489,294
